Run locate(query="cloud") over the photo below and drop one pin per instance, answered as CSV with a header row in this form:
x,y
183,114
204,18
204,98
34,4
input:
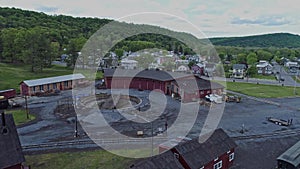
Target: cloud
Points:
x,y
265,21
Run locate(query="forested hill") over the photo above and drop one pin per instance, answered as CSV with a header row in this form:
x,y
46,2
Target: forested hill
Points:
x,y
37,39
277,40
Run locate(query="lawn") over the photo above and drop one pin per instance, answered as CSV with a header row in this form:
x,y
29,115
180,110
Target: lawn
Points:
x,y
259,76
12,75
97,159
263,91
20,116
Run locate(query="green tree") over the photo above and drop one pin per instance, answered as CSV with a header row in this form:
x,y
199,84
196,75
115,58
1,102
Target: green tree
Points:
x,y
241,58
251,58
119,53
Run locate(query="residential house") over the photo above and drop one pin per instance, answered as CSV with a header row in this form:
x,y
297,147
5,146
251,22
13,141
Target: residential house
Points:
x,y
239,71
264,67
11,155
128,64
291,65
51,84
217,152
198,69
290,159
209,69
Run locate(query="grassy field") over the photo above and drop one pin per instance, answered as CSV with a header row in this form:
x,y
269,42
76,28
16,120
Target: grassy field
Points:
x,y
20,116
259,76
98,159
264,91
12,75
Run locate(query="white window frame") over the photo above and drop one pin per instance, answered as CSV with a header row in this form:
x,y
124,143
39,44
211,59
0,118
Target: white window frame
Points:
x,y
218,165
231,157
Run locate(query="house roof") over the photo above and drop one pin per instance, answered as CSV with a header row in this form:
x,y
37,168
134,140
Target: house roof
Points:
x,y
147,74
167,160
55,79
292,155
128,61
11,151
192,85
199,154
262,65
239,66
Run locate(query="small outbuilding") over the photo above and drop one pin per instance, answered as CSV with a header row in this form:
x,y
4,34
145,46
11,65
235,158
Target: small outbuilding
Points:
x,y
290,159
50,84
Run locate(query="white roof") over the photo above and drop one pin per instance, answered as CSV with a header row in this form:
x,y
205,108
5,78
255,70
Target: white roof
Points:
x,y
128,61
55,79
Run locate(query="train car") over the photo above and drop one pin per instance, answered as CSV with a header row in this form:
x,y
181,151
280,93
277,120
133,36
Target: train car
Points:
x,y
9,93
3,103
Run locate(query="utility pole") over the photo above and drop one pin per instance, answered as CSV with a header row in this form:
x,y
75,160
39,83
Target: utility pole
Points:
x,y
76,125
26,107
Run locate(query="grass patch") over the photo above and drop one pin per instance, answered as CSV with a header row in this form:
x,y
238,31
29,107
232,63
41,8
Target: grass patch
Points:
x,y
98,159
260,76
20,116
263,91
11,75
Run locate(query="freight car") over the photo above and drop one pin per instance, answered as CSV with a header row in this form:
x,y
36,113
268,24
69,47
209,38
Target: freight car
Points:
x,y
9,93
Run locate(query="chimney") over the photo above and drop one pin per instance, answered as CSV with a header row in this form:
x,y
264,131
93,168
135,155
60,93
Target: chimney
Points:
x,y
3,118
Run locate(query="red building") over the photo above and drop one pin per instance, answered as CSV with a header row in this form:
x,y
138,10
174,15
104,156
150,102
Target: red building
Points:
x,y
11,155
215,153
188,86
9,93
50,84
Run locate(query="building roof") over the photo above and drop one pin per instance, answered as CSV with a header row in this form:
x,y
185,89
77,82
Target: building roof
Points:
x,y
147,74
55,79
166,160
11,151
292,155
192,85
128,61
239,66
199,154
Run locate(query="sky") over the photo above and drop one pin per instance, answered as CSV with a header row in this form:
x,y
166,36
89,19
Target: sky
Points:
x,y
215,18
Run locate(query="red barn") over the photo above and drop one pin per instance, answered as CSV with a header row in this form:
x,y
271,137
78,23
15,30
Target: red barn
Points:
x,y
32,87
11,155
188,86
217,152
141,80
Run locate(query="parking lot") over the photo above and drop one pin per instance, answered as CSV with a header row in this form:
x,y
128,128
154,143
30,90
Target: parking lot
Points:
x,y
249,117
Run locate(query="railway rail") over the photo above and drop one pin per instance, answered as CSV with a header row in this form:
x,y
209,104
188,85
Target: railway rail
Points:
x,y
87,143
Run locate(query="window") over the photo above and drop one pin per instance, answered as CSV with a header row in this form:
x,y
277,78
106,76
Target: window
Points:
x,y
54,86
218,165
66,83
231,156
176,155
48,86
41,87
33,89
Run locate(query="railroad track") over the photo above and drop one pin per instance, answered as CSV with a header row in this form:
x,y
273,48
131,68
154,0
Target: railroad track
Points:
x,y
268,135
87,143
90,143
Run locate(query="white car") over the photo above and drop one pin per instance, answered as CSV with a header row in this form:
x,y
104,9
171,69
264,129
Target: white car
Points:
x,y
214,98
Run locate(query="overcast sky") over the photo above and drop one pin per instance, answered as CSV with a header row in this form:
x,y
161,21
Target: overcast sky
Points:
x,y
213,17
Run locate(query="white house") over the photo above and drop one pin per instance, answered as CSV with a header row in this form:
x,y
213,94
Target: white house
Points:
x,y
239,70
128,64
291,64
264,67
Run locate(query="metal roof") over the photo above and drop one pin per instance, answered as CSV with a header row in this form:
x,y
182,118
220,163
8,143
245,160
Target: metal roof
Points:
x,y
199,154
292,155
11,151
55,79
147,74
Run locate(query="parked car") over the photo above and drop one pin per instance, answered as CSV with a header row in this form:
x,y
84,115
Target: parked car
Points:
x,y
214,98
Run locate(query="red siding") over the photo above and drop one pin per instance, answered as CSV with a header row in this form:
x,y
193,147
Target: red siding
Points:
x,y
10,93
24,89
18,166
